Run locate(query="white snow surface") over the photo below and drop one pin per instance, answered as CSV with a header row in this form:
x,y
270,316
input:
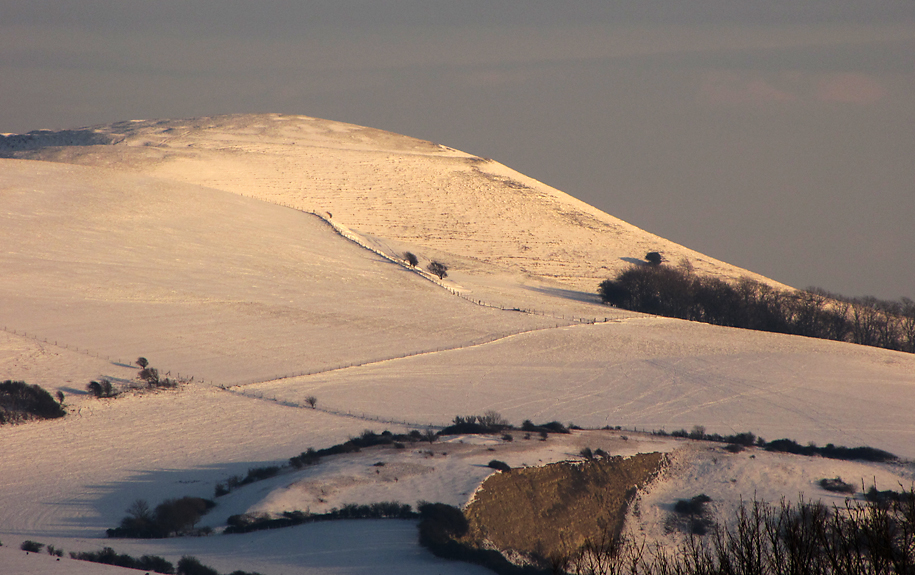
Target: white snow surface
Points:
x,y
262,256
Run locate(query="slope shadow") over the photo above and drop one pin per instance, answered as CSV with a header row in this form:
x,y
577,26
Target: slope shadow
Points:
x,y
635,261
102,506
575,295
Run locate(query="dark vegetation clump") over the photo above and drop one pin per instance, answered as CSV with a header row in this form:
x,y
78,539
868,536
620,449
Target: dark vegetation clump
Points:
x,y
836,485
678,292
101,388
488,423
440,528
170,518
500,466
551,427
411,259
188,565
151,376
832,451
254,474
109,556
383,510
438,269
693,514
20,401
31,546
355,444
747,439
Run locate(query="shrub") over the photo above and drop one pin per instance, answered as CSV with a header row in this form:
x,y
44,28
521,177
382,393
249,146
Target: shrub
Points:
x,y
653,258
309,457
31,546
55,551
312,401
101,388
171,517
694,512
551,427
108,556
440,522
20,401
192,566
694,506
500,466
836,485
411,259
438,268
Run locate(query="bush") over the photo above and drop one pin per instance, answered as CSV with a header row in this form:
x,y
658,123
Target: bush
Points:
x,y
500,466
653,258
439,523
20,401
192,566
836,485
31,546
101,388
171,517
411,259
383,510
489,422
695,513
438,268
108,556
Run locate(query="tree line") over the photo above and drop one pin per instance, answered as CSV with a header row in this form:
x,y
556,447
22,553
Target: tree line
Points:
x,y
678,292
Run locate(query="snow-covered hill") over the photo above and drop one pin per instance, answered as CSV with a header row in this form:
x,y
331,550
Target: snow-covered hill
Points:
x,y
262,256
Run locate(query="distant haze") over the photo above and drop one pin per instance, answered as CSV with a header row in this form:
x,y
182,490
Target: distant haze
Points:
x,y
776,135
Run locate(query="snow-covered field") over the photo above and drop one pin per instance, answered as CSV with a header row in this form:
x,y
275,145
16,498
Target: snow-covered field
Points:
x,y
213,247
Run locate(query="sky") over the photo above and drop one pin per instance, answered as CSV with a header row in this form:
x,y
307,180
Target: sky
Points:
x,y
776,135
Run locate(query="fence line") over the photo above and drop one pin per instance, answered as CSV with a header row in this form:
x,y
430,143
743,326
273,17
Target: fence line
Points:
x,y
348,234
85,351
331,411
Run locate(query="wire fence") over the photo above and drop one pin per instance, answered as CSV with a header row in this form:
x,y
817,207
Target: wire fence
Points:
x,y
90,353
362,416
348,234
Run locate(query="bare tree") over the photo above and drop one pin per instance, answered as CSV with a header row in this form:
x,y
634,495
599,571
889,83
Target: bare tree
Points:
x,y
312,401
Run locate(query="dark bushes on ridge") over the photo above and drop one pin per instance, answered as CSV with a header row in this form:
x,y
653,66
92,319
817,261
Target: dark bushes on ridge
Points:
x,y
677,292
748,439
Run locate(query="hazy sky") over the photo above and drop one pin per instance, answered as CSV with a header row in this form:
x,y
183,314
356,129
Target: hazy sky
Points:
x,y
775,135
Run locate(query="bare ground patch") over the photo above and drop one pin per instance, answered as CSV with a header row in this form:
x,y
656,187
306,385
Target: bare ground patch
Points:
x,y
554,509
